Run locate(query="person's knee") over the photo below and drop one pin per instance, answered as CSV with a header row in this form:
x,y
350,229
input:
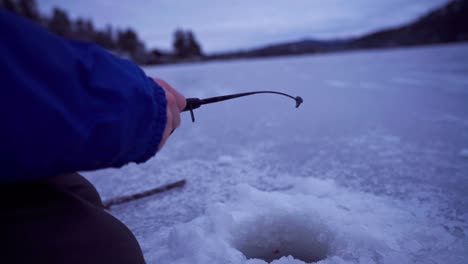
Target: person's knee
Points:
x,y
78,185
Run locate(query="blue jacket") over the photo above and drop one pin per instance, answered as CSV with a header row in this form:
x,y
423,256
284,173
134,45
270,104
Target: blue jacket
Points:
x,y
67,106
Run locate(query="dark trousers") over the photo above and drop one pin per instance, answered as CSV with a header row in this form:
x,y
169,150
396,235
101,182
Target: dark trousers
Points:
x,y
61,220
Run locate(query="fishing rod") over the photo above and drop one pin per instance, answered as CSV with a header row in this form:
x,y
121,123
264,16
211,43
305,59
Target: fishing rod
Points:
x,y
194,103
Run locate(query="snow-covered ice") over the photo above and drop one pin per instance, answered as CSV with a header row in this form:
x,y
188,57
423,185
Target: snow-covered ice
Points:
x,y
464,153
314,221
370,169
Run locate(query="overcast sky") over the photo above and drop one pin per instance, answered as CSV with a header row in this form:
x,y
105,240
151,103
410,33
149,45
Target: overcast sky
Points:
x,y
236,24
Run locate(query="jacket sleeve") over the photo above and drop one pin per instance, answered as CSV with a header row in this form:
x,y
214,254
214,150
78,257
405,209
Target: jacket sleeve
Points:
x,y
68,106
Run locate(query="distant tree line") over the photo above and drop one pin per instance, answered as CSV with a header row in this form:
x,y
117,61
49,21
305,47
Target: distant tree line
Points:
x,y
446,24
125,42
185,44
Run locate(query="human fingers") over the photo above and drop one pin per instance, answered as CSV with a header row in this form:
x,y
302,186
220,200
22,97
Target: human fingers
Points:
x,y
180,99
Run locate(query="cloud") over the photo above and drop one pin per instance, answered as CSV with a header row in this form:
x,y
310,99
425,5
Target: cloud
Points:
x,y
223,25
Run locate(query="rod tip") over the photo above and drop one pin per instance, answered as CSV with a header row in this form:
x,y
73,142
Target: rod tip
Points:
x,y
299,101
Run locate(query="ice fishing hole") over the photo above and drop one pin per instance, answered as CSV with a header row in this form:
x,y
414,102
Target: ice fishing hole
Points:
x,y
276,236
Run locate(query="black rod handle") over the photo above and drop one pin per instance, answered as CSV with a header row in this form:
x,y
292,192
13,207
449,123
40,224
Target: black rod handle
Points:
x,y
192,103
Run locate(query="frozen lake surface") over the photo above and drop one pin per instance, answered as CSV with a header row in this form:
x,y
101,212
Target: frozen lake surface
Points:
x,y
372,168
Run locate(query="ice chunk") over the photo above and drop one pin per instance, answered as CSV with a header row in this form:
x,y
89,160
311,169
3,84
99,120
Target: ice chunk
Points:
x,y
225,160
464,153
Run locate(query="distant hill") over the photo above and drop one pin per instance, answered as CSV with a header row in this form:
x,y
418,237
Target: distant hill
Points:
x,y
447,24
288,48
443,25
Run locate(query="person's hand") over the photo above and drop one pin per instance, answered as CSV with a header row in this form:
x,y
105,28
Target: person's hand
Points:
x,y
175,104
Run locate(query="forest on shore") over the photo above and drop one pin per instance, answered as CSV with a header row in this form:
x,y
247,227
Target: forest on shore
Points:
x,y
446,24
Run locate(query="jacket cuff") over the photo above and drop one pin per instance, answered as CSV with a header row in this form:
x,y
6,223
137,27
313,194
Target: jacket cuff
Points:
x,y
158,122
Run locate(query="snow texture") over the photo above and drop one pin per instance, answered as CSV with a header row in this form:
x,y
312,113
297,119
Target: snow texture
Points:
x,y
370,169
464,153
314,222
